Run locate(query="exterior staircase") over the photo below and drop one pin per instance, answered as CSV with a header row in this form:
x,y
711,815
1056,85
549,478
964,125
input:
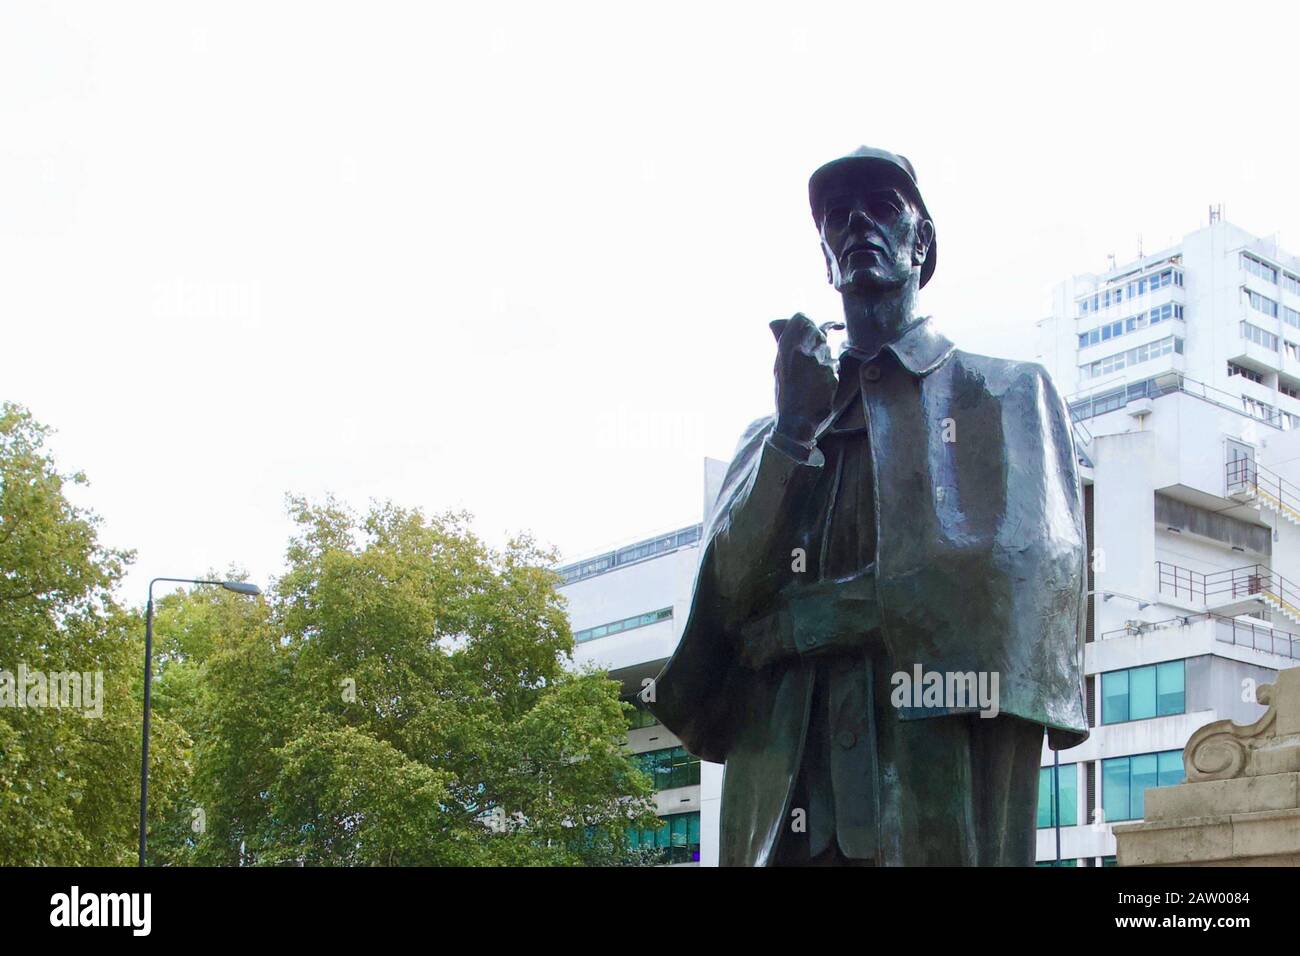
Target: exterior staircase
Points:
x,y
1234,591
1253,484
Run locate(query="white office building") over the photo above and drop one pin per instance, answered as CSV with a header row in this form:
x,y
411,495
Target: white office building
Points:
x,y
1182,372
628,608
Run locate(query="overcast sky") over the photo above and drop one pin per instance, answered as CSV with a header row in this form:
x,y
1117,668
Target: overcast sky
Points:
x,y
520,258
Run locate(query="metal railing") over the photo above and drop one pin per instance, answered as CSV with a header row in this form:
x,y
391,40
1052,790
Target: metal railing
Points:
x,y
633,553
1091,404
1243,476
1229,630
1232,584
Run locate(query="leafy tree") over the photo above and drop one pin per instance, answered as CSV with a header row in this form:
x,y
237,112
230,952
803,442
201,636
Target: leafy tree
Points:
x,y
68,782
401,699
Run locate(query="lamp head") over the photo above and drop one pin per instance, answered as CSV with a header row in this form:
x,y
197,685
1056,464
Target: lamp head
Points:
x,y
241,587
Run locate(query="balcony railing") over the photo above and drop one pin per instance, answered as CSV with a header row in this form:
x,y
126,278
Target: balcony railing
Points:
x,y
1245,634
1227,630
1244,478
633,553
1219,588
1091,404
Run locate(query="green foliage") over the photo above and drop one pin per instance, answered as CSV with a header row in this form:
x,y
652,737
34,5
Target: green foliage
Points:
x,y
400,699
68,782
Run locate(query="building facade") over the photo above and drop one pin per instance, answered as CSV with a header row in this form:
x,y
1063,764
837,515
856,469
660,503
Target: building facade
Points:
x,y
1182,373
627,608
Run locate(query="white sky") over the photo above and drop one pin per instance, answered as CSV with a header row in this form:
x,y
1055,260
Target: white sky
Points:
x,y
520,258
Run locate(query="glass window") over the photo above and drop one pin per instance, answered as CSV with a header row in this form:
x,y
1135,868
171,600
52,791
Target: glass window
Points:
x,y
1138,693
1257,268
640,715
1142,774
627,624
1069,796
1141,693
1114,788
677,841
1114,697
1170,677
1169,768
670,767
1125,780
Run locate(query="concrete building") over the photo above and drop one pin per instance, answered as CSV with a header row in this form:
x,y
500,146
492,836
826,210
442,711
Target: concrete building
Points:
x,y
628,608
1182,372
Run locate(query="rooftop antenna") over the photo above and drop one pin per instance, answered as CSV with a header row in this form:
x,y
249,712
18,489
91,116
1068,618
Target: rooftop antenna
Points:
x,y
1140,253
1110,256
1216,213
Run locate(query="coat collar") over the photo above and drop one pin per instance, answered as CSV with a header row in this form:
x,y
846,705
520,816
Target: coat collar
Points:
x,y
920,350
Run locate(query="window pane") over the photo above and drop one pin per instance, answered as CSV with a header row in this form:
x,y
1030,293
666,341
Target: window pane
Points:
x,y
1170,768
1069,798
1169,683
1114,697
1141,693
1044,797
1143,774
1114,789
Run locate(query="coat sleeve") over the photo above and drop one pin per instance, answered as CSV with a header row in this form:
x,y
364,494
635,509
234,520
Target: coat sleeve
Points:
x,y
1054,510
746,546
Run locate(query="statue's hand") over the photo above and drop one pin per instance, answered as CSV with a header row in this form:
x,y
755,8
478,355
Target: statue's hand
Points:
x,y
805,378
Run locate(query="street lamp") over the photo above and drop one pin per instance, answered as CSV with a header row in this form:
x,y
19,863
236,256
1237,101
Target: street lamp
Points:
x,y
239,587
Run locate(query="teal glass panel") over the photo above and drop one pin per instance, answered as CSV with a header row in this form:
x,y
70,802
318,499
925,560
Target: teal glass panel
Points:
x,y
1115,789
1114,697
1170,679
1143,773
1141,693
1169,768
1044,797
1069,796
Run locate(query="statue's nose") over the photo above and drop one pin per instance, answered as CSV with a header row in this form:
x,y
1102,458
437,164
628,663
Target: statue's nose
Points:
x,y
859,219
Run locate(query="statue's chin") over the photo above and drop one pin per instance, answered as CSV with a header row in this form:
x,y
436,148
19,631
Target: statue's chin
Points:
x,y
862,282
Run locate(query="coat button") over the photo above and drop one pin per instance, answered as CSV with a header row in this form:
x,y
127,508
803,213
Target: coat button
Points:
x,y
847,739
871,373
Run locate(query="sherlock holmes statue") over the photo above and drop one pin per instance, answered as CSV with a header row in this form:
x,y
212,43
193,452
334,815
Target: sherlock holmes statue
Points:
x,y
910,514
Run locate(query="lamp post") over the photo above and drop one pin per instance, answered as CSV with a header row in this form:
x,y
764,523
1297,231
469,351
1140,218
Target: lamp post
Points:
x,y
239,587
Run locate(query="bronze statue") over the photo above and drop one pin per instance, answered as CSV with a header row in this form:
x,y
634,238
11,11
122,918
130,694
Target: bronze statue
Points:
x,y
910,512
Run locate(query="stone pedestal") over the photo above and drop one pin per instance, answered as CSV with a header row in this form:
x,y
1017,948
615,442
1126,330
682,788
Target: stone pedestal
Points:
x,y
1240,805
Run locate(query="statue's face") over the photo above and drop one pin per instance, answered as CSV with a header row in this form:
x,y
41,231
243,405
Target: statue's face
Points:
x,y
873,236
